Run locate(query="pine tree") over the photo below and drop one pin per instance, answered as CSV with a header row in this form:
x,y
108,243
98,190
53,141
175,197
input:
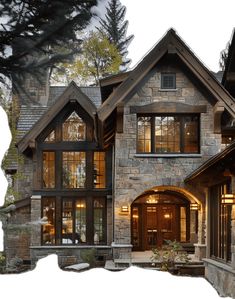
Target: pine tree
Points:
x,y
33,32
115,28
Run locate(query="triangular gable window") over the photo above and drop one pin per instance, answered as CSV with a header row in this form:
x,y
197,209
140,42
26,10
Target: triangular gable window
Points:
x,y
74,128
50,137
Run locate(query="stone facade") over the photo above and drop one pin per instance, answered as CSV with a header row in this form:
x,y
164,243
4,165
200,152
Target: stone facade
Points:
x,y
136,173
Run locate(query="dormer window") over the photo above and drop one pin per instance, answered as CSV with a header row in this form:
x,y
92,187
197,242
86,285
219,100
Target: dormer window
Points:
x,y
168,81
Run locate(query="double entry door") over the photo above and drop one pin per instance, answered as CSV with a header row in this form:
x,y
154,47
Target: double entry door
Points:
x,y
152,224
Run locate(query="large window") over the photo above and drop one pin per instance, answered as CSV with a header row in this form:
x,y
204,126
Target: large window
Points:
x,y
74,221
167,134
49,169
220,223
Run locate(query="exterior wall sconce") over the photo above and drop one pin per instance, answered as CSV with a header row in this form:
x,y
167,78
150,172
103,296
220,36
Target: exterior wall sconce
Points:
x,y
125,209
195,207
228,199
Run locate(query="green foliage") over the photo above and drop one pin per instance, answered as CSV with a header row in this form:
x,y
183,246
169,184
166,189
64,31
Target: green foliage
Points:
x,y
2,262
169,255
88,256
99,58
115,27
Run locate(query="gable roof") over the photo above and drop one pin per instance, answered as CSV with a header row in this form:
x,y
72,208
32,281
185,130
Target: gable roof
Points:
x,y
170,43
72,92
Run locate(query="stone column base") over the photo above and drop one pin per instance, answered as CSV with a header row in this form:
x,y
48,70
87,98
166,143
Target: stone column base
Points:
x,y
121,251
200,251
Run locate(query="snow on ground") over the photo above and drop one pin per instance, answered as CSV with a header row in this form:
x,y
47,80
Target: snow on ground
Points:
x,y
48,281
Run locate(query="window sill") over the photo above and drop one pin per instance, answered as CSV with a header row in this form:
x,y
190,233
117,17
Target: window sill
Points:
x,y
168,89
167,155
70,246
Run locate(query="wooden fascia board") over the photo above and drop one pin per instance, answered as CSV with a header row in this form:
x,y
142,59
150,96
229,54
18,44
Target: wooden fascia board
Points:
x,y
114,79
119,121
168,107
68,95
214,87
123,90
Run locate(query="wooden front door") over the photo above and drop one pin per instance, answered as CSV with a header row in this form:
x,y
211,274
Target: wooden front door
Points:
x,y
152,224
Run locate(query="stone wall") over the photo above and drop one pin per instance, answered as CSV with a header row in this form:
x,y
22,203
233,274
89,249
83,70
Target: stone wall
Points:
x,y
135,174
24,183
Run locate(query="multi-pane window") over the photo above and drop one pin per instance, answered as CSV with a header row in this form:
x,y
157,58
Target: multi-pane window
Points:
x,y
99,221
220,223
48,213
50,137
74,169
99,170
167,134
48,169
74,128
168,81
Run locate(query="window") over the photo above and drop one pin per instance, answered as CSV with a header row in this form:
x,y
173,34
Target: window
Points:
x,y
168,81
220,223
74,169
50,137
74,129
49,169
168,134
79,224
48,229
99,170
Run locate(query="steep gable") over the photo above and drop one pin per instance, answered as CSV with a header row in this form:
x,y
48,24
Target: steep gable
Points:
x,y
171,43
71,93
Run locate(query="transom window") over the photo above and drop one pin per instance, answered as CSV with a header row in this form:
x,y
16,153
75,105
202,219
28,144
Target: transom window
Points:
x,y
74,128
168,81
167,134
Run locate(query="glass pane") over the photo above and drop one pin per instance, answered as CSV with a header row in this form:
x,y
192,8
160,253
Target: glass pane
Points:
x,y
50,137
167,134
191,142
99,170
168,81
99,214
135,227
74,169
48,170
67,222
48,229
183,224
80,221
144,135
74,128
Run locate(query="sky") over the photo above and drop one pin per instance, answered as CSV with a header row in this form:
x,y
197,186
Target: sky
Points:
x,y
206,26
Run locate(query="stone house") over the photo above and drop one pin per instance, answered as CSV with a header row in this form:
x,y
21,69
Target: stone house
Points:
x,y
121,168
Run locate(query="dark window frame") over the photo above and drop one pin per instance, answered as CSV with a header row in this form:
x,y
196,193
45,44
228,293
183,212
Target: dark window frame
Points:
x,y
168,75
182,118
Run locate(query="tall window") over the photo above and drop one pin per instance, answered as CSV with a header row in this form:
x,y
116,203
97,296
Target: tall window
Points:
x,y
74,128
220,223
99,170
99,221
74,169
48,213
49,169
166,134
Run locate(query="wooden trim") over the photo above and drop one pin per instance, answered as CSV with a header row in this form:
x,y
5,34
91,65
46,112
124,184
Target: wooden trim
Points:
x,y
170,41
114,79
72,93
119,124
168,107
218,111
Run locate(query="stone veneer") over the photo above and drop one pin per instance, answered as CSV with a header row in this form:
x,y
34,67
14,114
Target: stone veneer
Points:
x,y
135,173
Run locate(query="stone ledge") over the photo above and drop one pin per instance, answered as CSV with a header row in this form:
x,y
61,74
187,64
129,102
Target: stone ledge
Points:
x,y
71,247
114,245
167,155
220,265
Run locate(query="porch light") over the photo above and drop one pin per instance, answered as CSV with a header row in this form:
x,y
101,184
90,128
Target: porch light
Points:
x,y
125,209
195,207
228,199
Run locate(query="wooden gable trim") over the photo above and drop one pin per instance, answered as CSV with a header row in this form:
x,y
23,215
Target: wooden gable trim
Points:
x,y
71,94
170,43
119,123
168,107
114,79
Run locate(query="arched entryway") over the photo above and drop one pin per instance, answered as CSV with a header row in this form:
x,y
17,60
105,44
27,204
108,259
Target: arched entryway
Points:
x,y
162,214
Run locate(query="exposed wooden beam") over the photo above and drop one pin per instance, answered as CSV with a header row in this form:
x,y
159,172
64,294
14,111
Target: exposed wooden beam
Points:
x,y
119,122
218,111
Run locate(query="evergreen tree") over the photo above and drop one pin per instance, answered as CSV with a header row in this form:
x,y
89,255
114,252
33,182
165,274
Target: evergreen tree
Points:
x,y
33,32
115,28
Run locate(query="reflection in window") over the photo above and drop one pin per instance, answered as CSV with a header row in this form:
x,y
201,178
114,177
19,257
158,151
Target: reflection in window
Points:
x,y
80,221
74,169
167,134
74,128
99,214
144,134
67,222
50,137
48,229
135,227
99,170
48,169
191,134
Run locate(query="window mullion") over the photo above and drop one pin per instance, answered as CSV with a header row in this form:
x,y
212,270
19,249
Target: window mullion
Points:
x,y
153,139
182,125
